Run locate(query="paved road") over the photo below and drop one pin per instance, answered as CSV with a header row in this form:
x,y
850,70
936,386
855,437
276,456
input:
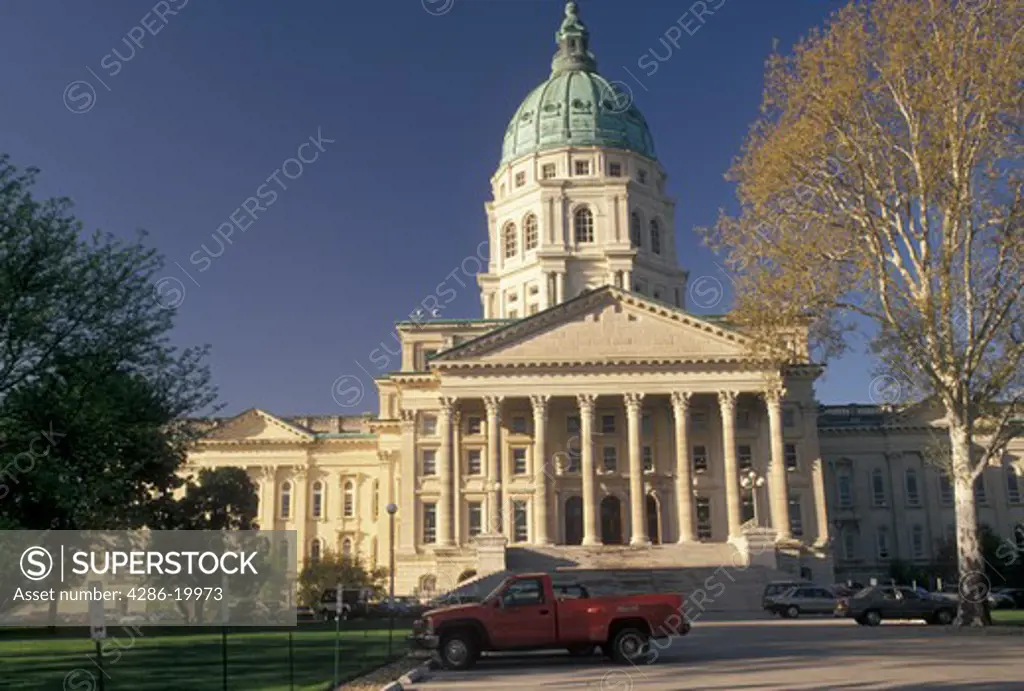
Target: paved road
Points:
x,y
773,654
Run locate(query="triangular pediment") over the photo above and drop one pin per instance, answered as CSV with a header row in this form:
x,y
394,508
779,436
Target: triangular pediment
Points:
x,y
257,426
606,325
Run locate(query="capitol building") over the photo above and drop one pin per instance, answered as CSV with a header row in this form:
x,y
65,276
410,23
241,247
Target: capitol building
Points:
x,y
588,409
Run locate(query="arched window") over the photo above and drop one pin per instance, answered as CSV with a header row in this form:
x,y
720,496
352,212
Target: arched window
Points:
x,y
532,232
315,549
509,240
318,499
655,237
636,236
350,499
286,500
913,492
878,487
376,499
346,547
882,542
583,225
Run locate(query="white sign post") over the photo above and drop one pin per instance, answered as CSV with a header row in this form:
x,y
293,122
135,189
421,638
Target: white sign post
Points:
x,y
97,613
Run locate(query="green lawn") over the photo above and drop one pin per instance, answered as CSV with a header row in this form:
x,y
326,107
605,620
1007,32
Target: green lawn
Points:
x,y
257,661
1011,617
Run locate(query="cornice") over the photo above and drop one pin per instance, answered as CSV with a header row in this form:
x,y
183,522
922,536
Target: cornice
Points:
x,y
535,364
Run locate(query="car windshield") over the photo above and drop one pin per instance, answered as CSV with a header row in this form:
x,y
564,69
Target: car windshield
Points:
x,y
864,593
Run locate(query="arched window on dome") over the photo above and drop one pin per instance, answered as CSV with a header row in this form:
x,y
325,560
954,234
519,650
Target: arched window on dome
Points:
x,y
655,237
583,225
531,232
636,236
509,240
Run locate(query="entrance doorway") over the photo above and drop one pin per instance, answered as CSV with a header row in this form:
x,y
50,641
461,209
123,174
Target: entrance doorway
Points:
x,y
574,521
611,521
653,520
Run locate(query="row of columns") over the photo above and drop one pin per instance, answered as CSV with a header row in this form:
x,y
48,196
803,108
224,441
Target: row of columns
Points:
x,y
633,403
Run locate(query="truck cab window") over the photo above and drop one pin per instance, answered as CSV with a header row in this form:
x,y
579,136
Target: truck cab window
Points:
x,y
524,592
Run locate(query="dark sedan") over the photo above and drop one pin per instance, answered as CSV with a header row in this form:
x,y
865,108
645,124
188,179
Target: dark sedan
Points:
x,y
871,605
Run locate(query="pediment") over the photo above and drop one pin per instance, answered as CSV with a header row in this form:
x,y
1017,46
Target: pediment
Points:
x,y
608,325
257,426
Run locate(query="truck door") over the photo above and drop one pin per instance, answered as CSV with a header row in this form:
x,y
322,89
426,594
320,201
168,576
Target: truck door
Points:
x,y
525,617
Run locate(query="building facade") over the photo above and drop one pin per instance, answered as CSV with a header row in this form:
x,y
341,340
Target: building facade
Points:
x,y
587,407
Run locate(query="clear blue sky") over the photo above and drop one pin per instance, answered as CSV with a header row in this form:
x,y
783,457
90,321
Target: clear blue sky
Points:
x,y
180,133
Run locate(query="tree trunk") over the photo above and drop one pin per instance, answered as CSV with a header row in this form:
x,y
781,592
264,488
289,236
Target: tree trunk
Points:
x,y
973,584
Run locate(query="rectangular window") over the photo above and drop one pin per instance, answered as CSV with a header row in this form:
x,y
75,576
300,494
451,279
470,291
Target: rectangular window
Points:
x,y
882,543
844,489
945,490
474,462
849,543
520,179
746,506
796,520
917,542
877,488
513,314
582,167
474,425
429,425
519,425
913,494
789,454
430,461
615,170
519,461
572,424
641,176
980,496
1012,486
703,518
548,171
648,455
520,521
609,459
657,294
476,518
699,420
646,425
607,424
788,417
533,309
429,524
745,457
744,419
700,458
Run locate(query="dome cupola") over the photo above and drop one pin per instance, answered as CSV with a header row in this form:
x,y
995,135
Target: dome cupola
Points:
x,y
576,106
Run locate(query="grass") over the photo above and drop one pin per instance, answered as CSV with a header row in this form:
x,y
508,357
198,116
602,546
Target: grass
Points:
x,y
135,661
1008,617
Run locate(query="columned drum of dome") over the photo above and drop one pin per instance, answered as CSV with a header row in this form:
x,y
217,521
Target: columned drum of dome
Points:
x,y
576,106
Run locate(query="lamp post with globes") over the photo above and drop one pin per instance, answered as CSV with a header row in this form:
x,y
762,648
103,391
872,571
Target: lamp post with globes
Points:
x,y
392,509
752,482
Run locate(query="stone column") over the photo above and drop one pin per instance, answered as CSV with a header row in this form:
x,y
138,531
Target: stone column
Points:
x,y
586,403
727,404
638,534
300,479
493,404
540,469
778,482
812,449
684,469
407,517
560,287
457,475
268,497
444,502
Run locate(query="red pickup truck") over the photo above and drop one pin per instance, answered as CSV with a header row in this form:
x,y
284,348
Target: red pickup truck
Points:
x,y
527,612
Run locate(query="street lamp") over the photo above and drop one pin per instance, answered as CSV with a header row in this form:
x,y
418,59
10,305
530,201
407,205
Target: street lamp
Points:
x,y
752,481
392,509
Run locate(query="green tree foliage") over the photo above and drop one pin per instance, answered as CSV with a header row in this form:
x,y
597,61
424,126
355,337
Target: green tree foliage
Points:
x,y
331,569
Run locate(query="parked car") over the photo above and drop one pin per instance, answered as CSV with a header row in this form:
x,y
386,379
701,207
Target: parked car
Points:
x,y
353,604
526,613
774,589
871,605
1015,595
805,599
1000,599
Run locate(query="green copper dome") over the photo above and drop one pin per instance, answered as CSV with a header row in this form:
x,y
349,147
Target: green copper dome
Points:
x,y
576,106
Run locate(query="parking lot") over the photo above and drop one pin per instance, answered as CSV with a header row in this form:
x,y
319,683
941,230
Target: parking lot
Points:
x,y
774,654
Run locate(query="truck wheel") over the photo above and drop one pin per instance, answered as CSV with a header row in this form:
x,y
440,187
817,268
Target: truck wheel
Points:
x,y
629,646
458,650
581,650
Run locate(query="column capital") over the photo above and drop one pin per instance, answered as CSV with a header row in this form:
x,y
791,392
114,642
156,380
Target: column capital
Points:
x,y
268,472
387,456
408,416
300,472
727,400
493,404
540,404
681,400
448,404
773,395
633,400
586,402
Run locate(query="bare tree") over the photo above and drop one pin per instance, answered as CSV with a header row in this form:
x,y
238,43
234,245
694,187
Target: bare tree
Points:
x,y
880,190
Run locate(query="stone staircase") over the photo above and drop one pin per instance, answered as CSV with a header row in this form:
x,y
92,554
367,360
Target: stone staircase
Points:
x,y
705,573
